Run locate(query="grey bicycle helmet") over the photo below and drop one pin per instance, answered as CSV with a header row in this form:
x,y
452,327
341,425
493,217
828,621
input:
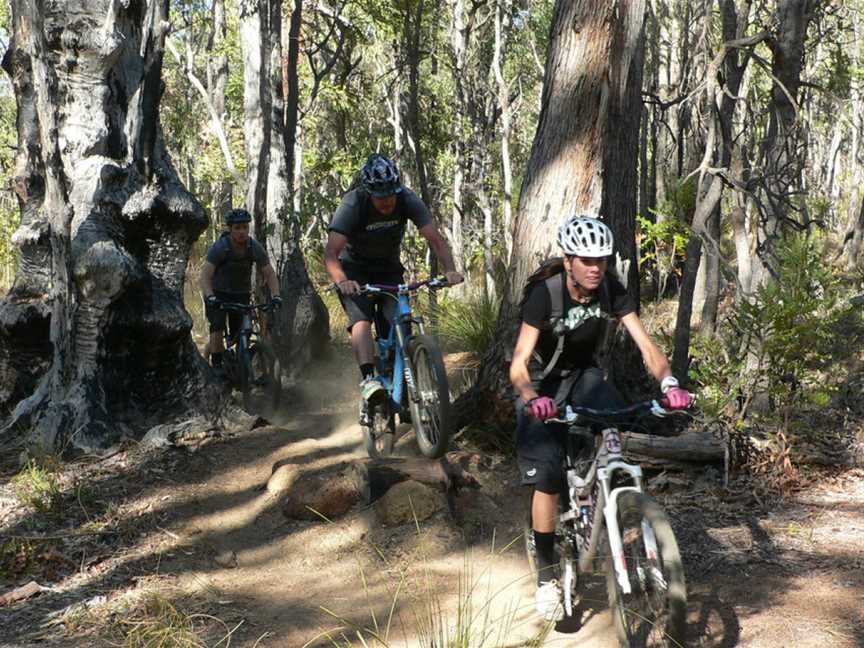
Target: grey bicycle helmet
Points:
x,y
585,236
380,176
235,216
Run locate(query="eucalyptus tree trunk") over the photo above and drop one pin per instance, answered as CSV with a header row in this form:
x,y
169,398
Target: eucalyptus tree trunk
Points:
x,y
583,157
705,229
217,82
781,156
855,218
94,332
412,32
503,8
301,330
459,43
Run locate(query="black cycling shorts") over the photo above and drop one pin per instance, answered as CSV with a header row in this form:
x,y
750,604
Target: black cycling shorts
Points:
x,y
540,447
216,316
361,308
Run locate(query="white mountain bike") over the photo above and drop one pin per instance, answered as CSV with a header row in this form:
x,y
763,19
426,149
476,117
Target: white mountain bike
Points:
x,y
605,513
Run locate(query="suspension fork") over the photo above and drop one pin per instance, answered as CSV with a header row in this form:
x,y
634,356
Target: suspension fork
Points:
x,y
407,373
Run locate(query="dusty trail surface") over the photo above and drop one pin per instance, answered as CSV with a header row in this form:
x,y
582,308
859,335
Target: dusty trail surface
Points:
x,y
200,527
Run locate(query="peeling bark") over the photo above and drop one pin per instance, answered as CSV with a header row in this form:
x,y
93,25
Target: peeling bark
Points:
x,y
105,234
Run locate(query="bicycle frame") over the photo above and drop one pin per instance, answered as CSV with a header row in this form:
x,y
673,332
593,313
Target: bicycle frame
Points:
x,y
396,342
246,332
597,488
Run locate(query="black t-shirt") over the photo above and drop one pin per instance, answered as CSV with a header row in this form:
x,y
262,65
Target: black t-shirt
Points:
x,y
584,324
375,239
234,271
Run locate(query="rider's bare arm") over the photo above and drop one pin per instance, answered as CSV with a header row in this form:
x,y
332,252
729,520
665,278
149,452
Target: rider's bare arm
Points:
x,y
206,281
653,357
519,374
272,280
442,251
336,242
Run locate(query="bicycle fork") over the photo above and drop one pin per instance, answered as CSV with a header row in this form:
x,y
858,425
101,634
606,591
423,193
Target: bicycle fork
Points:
x,y
611,462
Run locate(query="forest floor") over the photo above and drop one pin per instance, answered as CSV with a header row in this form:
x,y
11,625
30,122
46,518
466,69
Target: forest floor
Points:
x,y
198,530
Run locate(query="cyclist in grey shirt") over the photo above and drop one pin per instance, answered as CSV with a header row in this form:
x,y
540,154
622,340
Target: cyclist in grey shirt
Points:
x,y
363,246
227,277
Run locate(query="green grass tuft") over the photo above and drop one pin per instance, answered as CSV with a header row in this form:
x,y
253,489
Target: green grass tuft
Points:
x,y
37,486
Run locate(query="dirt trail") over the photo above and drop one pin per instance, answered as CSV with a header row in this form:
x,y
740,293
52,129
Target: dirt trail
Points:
x,y
758,577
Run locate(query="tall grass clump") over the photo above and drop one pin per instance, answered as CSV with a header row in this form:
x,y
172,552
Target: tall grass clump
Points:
x,y
468,324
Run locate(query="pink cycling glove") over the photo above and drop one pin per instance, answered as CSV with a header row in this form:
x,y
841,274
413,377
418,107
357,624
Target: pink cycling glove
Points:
x,y
678,398
542,407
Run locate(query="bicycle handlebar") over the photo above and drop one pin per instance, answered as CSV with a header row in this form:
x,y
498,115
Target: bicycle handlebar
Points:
x,y
433,283
570,414
243,308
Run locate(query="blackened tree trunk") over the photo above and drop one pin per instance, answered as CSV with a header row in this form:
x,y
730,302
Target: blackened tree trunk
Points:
x,y
95,337
301,329
584,154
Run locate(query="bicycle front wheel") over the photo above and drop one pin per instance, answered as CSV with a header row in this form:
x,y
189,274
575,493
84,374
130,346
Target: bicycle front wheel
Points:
x,y
378,437
266,373
654,613
244,374
430,403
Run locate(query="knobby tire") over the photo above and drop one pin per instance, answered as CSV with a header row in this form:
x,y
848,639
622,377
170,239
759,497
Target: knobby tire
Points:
x,y
654,614
430,410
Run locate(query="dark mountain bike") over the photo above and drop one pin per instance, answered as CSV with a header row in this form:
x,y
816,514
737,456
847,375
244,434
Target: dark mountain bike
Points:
x,y
250,363
605,512
411,368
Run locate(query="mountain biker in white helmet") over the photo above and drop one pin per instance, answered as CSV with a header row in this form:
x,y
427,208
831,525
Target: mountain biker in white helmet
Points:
x,y
565,310
363,247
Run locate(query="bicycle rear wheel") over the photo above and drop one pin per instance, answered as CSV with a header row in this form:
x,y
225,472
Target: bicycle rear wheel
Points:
x,y
654,613
378,437
430,406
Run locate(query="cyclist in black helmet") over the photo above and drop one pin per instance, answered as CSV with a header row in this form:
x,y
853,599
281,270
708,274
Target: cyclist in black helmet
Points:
x,y
227,276
363,247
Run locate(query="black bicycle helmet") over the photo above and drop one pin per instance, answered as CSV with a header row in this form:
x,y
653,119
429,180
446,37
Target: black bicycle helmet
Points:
x,y
380,176
235,216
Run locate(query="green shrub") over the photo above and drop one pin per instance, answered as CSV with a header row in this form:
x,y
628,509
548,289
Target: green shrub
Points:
x,y
790,324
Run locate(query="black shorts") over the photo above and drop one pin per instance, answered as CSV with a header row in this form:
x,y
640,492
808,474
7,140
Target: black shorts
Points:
x,y
362,308
540,447
216,316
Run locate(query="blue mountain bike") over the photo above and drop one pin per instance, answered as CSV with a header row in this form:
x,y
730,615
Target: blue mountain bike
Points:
x,y
411,368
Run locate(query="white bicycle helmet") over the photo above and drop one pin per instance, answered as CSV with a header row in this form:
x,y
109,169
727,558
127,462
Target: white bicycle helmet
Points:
x,y
585,236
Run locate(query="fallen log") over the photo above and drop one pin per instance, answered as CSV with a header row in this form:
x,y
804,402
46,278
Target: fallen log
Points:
x,y
693,447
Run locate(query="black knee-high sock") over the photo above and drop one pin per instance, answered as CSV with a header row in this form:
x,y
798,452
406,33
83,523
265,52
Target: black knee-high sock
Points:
x,y
545,543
